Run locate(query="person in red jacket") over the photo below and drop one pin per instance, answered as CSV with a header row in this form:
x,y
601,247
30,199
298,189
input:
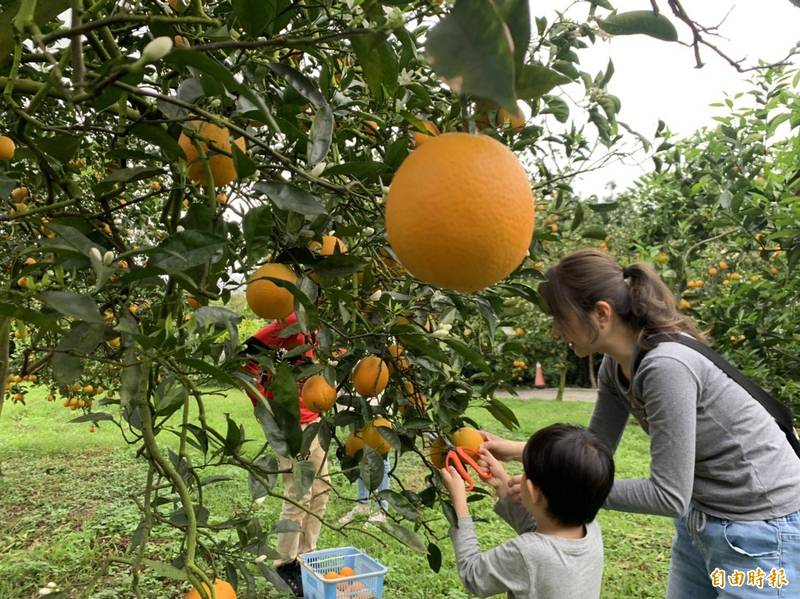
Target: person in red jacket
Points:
x,y
290,545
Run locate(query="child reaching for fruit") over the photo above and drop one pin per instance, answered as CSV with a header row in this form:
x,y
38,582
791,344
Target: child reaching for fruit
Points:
x,y
568,473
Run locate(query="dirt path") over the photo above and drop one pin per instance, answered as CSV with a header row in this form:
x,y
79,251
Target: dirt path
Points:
x,y
570,394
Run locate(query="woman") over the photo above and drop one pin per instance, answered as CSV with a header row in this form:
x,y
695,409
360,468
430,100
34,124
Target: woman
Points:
x,y
720,465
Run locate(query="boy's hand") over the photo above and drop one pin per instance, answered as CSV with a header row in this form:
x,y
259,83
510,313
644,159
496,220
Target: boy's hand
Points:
x,y
455,487
515,488
500,479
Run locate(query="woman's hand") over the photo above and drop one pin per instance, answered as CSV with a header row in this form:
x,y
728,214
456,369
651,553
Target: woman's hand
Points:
x,y
502,449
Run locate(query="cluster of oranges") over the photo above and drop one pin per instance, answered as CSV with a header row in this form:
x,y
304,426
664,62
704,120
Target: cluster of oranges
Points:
x,y
348,589
518,371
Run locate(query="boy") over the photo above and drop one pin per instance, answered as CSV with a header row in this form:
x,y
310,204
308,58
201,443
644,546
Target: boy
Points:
x,y
568,472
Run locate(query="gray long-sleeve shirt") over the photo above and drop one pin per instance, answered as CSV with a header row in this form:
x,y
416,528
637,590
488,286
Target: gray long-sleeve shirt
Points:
x,y
712,445
532,565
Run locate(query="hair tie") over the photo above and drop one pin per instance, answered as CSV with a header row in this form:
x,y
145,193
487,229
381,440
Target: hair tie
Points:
x,y
626,273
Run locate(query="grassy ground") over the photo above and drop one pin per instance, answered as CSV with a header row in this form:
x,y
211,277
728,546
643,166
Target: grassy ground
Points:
x,y
66,502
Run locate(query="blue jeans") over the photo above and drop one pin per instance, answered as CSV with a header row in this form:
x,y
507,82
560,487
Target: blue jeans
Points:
x,y
712,557
363,492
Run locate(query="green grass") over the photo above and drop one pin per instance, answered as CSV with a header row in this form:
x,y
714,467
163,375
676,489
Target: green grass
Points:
x,y
67,500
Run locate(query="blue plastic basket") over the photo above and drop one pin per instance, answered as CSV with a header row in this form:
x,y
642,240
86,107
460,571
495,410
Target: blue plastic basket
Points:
x,y
367,583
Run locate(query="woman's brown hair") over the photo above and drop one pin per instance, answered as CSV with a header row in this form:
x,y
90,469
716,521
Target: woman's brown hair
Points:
x,y
638,295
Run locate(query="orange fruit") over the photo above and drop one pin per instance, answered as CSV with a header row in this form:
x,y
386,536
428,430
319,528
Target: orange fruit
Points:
x,y
417,399
374,439
30,261
685,304
712,271
329,246
222,589
420,138
370,376
736,276
22,282
318,394
180,41
519,331
20,193
331,575
460,212
265,298
438,452
192,301
398,361
510,121
723,266
113,343
222,198
468,438
212,139
372,125
353,444
7,148
347,571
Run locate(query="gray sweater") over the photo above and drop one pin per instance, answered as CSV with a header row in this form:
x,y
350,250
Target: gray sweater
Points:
x,y
712,446
532,565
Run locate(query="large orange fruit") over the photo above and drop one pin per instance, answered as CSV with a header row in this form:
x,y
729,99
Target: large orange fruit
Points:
x,y
265,298
353,444
370,376
460,212
318,394
373,437
468,438
223,590
7,148
511,121
213,140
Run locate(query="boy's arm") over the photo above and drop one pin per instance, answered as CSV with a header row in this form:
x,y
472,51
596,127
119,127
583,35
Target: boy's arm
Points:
x,y
486,573
515,514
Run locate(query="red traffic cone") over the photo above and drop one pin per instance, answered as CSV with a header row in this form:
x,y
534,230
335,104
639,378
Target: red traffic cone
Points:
x,y
539,380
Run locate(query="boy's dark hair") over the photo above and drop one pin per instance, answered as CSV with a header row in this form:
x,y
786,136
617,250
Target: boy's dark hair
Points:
x,y
574,470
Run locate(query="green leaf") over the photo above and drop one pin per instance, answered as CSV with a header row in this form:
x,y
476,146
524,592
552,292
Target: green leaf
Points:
x,y
69,356
303,473
594,232
468,353
62,147
45,12
242,162
254,15
371,468
289,197
535,80
471,50
557,107
158,136
577,219
273,432
285,407
517,16
301,84
644,22
266,480
165,570
234,435
93,417
339,265
426,345
400,503
378,62
186,249
405,535
503,414
257,229
320,135
434,557
27,315
81,307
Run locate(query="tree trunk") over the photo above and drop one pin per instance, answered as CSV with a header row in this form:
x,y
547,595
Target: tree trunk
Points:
x,y
5,337
562,383
592,377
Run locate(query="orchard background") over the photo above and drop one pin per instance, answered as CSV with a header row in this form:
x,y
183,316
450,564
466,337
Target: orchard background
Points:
x,y
124,270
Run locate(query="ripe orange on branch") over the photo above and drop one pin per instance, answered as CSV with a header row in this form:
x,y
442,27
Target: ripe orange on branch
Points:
x,y
223,590
265,298
468,438
370,376
215,142
460,212
318,395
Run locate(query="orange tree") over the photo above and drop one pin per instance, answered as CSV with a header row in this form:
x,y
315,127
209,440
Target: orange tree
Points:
x,y
155,155
718,216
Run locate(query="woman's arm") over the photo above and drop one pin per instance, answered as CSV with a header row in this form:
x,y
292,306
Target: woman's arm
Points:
x,y
669,391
